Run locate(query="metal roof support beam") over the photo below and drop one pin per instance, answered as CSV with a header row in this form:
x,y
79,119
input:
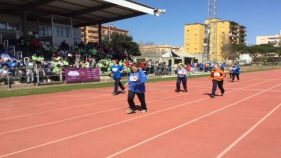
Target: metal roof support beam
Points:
x,y
89,10
110,19
121,17
135,6
37,3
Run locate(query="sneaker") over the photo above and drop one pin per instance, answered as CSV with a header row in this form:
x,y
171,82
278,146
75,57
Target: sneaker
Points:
x,y
222,94
185,90
232,81
130,111
212,96
123,91
143,111
177,91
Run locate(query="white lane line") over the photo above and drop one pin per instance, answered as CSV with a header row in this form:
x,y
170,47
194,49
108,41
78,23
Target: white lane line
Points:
x,y
77,117
247,132
117,123
91,90
16,108
72,107
189,122
86,105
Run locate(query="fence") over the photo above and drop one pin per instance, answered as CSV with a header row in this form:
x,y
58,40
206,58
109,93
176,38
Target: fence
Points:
x,y
39,76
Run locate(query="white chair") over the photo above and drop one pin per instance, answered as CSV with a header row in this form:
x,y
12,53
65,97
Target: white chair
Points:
x,y
42,42
56,47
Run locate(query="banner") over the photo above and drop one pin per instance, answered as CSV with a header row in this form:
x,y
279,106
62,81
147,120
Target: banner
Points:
x,y
82,74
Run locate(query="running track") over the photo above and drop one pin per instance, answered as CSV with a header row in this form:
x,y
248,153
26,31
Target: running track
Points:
x,y
245,122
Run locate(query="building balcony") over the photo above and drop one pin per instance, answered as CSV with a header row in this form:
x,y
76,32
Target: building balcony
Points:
x,y
205,44
272,42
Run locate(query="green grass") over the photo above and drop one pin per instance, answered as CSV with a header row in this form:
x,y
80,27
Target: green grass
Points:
x,y
64,88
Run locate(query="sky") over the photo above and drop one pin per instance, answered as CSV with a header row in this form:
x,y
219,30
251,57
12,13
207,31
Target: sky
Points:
x,y
261,17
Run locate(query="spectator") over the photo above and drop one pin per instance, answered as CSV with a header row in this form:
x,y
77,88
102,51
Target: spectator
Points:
x,y
4,75
5,56
30,65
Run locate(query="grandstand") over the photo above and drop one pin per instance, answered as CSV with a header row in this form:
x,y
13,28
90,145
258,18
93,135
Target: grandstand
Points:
x,y
47,32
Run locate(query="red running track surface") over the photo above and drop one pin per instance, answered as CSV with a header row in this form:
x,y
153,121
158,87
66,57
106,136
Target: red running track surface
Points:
x,y
245,122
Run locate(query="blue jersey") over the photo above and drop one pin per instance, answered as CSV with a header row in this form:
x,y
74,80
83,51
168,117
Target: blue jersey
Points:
x,y
115,70
137,86
236,69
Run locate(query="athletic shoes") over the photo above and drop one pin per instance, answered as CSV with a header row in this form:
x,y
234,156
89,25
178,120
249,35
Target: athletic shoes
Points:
x,y
212,96
130,111
222,94
177,91
143,111
123,91
185,90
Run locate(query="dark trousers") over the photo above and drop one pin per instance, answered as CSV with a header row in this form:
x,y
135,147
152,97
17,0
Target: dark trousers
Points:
x,y
217,84
141,96
116,84
183,81
230,75
233,76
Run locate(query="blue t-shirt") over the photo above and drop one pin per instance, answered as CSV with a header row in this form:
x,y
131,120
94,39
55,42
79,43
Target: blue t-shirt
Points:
x,y
116,71
180,73
236,69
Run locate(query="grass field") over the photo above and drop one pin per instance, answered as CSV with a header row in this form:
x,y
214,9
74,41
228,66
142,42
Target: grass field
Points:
x,y
63,88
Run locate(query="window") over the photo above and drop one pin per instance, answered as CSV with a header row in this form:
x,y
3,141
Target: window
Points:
x,y
262,40
45,31
3,26
195,34
62,31
187,30
195,48
12,26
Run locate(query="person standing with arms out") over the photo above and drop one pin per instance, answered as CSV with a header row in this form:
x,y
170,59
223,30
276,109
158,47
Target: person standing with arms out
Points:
x,y
236,72
136,83
115,71
181,78
217,76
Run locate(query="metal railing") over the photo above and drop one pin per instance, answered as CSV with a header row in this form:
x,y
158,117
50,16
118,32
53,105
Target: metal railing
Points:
x,y
6,43
18,54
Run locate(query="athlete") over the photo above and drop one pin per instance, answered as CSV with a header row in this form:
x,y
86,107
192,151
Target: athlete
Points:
x,y
116,73
217,76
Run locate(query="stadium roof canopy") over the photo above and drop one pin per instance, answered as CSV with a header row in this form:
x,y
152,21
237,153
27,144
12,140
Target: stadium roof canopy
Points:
x,y
82,12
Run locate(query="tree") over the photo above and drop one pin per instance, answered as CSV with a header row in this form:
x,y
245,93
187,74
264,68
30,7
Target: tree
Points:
x,y
123,43
231,51
253,51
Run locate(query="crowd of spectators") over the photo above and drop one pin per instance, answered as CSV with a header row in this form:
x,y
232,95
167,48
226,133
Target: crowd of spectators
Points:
x,y
50,61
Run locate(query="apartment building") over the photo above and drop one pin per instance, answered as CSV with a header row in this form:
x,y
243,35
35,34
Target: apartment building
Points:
x,y
270,39
91,34
196,36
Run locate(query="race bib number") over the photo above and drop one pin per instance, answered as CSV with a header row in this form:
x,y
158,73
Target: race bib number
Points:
x,y
30,64
216,74
132,78
114,69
